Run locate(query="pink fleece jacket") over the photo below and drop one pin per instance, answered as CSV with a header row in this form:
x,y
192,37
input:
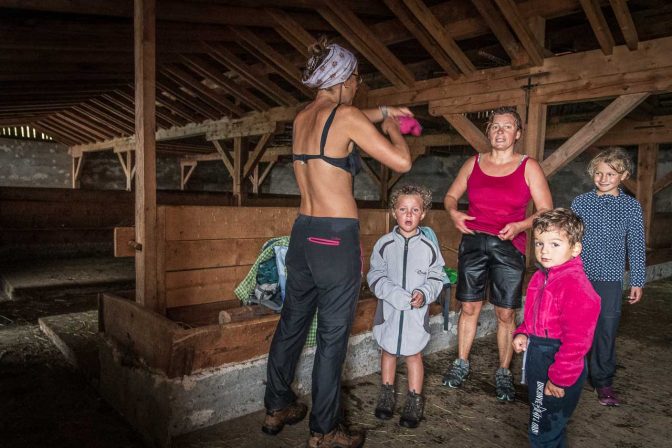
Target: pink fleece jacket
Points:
x,y
561,304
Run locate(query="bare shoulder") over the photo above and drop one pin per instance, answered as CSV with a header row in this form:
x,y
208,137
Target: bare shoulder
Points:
x,y
533,168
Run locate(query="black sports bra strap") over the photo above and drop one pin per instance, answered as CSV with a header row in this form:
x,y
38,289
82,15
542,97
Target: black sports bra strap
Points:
x,y
325,130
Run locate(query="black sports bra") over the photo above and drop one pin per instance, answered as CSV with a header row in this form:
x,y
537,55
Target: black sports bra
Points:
x,y
352,163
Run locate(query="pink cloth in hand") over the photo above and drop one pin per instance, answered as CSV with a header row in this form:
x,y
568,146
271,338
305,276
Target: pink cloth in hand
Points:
x,y
409,125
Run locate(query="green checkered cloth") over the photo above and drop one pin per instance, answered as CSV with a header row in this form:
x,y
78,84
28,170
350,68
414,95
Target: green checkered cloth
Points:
x,y
246,287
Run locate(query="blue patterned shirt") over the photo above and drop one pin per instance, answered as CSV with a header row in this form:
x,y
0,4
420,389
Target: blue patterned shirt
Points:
x,y
613,224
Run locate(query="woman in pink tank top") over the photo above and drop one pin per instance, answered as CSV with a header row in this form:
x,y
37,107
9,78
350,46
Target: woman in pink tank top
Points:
x,y
491,257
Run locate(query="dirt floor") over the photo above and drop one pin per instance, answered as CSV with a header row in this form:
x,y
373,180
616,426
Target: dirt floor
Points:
x,y
44,403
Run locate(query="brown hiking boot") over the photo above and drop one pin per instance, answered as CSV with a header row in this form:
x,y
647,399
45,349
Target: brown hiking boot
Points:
x,y
276,420
413,410
339,437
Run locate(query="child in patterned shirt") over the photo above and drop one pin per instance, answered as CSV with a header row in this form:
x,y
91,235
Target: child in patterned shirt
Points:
x,y
614,226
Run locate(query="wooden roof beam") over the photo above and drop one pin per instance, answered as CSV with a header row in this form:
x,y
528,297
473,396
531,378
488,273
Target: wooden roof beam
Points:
x,y
291,30
206,70
516,20
186,100
625,22
592,131
180,76
498,24
255,45
250,75
67,129
55,133
103,120
78,123
165,120
366,42
102,114
466,128
599,25
439,33
425,39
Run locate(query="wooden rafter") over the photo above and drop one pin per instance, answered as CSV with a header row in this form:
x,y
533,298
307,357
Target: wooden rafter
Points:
x,y
88,125
206,70
182,77
187,168
497,23
76,172
647,163
255,45
224,156
126,97
599,25
439,33
366,42
124,127
509,9
187,100
265,173
592,131
250,74
425,39
255,156
625,22
291,30
469,131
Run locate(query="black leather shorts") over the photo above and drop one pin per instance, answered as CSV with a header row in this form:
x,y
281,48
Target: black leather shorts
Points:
x,y
486,262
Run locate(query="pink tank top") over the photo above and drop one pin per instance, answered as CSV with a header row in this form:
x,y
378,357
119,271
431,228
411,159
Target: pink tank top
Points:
x,y
498,200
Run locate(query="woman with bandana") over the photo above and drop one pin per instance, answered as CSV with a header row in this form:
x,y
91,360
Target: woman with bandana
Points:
x,y
324,257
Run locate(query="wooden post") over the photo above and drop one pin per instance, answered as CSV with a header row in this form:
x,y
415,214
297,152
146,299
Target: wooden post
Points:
x,y
647,162
254,178
239,152
384,185
145,130
76,171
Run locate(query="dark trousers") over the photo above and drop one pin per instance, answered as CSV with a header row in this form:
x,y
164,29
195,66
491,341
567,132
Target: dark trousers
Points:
x,y
602,356
548,415
324,274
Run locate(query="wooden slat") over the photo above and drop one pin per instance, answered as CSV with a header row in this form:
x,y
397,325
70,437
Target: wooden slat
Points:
x,y
145,129
534,135
647,163
469,131
599,25
122,237
203,285
440,34
256,155
592,131
200,315
662,183
625,22
510,10
251,75
200,254
186,100
255,45
497,23
366,42
291,31
425,39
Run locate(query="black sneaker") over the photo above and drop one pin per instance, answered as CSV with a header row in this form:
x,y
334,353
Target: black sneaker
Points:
x,y
504,385
457,374
386,402
413,410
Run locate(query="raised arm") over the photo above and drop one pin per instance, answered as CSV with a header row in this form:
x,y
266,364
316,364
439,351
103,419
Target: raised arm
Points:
x,y
393,153
380,113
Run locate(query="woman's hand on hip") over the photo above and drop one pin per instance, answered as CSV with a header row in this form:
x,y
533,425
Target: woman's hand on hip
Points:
x,y
510,231
459,221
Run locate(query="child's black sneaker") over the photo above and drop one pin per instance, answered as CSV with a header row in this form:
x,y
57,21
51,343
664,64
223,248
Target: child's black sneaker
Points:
x,y
458,372
387,399
413,410
504,385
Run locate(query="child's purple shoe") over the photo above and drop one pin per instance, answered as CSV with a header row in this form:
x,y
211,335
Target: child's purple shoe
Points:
x,y
607,397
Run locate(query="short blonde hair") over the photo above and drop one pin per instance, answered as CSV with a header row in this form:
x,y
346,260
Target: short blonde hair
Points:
x,y
561,220
617,159
409,190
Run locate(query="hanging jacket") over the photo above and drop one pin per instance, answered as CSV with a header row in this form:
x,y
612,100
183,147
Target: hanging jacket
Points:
x,y
561,304
400,266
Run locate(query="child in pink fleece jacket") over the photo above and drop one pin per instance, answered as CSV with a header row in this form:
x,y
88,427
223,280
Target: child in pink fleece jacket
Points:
x,y
561,311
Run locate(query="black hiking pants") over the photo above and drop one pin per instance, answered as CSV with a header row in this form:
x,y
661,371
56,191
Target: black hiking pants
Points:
x,y
324,269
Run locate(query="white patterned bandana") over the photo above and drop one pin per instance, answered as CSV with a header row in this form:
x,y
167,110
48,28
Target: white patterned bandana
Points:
x,y
335,69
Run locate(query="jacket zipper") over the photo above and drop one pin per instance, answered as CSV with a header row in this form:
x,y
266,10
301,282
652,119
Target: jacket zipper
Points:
x,y
403,285
540,296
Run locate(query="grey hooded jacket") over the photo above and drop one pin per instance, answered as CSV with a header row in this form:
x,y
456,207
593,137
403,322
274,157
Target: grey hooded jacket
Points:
x,y
400,266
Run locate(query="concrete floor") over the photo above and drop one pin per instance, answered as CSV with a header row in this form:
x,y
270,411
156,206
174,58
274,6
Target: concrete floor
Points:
x,y
45,403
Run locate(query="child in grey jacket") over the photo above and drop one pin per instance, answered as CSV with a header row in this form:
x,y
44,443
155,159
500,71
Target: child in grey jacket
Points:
x,y
406,276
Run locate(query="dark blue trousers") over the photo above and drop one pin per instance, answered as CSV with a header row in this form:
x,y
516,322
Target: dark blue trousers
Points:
x,y
324,270
548,415
602,356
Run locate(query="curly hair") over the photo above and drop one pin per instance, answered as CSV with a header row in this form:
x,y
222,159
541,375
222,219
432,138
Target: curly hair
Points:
x,y
409,190
561,220
617,159
503,111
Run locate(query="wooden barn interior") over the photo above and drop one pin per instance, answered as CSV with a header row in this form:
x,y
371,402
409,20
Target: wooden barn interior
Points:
x,y
178,89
